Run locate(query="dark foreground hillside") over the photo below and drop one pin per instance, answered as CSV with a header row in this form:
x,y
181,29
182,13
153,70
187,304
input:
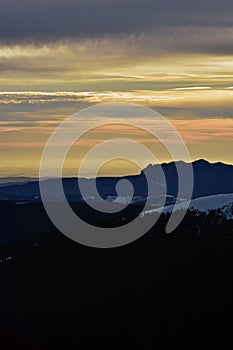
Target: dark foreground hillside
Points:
x,y
162,291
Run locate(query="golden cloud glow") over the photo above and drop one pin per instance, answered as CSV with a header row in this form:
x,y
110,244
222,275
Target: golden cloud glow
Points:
x,y
41,85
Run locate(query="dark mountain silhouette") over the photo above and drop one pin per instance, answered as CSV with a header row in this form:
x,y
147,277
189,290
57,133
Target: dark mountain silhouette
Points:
x,y
162,291
209,179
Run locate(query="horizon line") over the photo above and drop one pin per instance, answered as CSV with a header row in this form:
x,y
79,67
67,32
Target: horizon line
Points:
x,y
198,160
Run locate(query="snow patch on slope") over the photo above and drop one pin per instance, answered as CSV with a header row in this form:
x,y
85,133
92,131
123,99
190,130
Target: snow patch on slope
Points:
x,y
203,204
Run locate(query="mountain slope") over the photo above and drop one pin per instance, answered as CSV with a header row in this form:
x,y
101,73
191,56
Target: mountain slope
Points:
x,y
222,202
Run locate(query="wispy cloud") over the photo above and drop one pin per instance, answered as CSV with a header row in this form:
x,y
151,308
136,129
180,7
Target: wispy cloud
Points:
x,y
168,97
39,97
193,88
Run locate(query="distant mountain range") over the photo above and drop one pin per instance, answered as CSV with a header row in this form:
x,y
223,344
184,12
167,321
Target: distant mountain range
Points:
x,y
209,179
213,191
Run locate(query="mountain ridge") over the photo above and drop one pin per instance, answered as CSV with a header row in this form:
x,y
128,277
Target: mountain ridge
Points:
x,y
209,179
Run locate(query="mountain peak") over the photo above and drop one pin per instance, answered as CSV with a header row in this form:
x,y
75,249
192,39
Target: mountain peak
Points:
x,y
201,162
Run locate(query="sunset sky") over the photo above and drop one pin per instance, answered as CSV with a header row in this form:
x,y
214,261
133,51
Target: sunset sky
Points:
x,y
59,56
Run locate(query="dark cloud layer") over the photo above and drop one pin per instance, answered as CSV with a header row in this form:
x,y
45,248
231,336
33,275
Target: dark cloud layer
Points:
x,y
44,20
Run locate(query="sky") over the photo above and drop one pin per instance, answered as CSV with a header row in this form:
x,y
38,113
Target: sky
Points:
x,y
59,56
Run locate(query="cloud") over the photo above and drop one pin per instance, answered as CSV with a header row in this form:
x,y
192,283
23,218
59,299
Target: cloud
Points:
x,y
152,24
65,18
40,97
186,102
180,98
193,88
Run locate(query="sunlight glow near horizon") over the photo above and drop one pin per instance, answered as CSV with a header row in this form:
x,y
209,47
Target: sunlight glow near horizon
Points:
x,y
41,85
